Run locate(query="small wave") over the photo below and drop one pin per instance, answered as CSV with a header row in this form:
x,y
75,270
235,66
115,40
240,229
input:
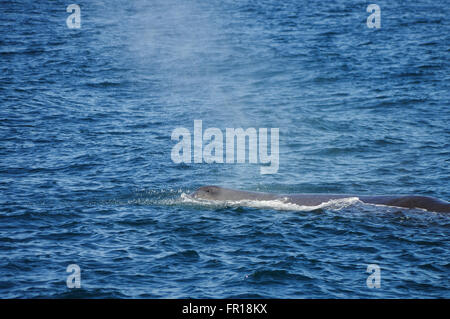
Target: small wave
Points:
x,y
278,204
273,275
183,256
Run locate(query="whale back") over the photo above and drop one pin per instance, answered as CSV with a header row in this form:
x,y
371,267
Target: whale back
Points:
x,y
212,192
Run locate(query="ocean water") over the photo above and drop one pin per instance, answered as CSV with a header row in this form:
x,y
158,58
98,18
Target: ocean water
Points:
x,y
87,178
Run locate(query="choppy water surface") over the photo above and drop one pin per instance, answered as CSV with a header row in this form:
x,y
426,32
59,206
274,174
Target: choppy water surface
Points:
x,y
86,175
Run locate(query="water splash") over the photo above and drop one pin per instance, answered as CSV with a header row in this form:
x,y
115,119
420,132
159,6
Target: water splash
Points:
x,y
278,204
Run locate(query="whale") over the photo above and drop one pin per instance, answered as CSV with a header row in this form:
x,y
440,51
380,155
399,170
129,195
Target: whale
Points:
x,y
212,192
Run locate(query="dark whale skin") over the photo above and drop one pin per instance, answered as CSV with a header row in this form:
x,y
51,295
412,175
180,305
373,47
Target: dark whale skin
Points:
x,y
404,201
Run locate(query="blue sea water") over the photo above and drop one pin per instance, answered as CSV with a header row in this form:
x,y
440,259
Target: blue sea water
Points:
x,y
86,175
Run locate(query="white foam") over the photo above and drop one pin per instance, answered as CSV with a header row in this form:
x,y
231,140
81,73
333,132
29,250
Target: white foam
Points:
x,y
334,204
